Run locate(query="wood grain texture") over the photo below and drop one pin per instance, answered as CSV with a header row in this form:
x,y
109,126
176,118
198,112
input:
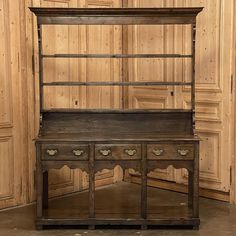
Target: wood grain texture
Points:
x,y
110,125
213,92
102,130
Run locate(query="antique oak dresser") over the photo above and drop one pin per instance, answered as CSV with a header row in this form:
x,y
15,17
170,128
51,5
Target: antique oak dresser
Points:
x,y
97,139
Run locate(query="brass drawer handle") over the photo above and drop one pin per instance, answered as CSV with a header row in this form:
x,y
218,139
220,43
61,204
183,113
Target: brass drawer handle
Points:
x,y
158,152
130,152
78,152
105,152
51,152
183,152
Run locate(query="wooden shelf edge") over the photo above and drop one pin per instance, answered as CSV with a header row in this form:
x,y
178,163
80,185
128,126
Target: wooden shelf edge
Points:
x,y
63,83
116,56
118,110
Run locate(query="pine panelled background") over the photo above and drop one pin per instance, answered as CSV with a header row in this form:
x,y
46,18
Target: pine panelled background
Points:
x,y
19,106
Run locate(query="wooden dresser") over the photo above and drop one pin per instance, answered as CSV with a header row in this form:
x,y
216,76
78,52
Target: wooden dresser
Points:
x,y
93,140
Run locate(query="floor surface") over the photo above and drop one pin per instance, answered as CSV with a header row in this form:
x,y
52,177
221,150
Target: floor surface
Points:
x,y
217,218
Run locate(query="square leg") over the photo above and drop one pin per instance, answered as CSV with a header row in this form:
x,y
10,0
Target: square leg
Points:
x,y
45,190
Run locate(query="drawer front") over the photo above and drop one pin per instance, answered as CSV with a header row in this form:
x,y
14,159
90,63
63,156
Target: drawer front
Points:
x,y
117,152
70,152
170,151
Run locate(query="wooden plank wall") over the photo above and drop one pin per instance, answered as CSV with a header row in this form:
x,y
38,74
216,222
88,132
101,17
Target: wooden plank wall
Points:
x,y
19,105
13,115
214,94
233,107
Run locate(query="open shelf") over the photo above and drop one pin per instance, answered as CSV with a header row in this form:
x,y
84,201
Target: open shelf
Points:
x,y
63,83
116,56
76,205
79,110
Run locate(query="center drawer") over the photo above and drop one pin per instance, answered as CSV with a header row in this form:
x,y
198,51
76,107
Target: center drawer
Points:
x,y
117,151
68,152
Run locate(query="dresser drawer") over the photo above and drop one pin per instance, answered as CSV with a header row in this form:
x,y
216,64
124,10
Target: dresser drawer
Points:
x,y
170,151
64,152
117,151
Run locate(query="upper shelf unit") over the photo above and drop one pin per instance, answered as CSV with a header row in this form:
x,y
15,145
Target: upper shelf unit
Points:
x,y
116,16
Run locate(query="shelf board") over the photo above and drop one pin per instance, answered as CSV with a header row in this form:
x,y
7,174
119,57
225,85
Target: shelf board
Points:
x,y
80,110
116,56
116,83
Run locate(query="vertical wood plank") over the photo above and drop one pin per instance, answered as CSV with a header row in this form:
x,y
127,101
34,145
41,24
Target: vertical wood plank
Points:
x,y
125,62
233,123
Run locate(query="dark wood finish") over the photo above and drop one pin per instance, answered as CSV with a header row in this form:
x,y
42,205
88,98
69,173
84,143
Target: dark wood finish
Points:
x,y
70,152
116,56
40,49
115,83
131,12
144,183
39,184
117,151
124,20
45,190
91,184
185,221
193,30
119,125
166,151
196,182
190,189
93,140
116,16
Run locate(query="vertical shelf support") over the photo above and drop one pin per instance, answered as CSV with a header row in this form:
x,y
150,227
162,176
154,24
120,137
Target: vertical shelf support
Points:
x,y
40,52
193,77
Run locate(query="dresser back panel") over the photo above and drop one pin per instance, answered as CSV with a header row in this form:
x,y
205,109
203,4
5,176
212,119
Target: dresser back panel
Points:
x,y
179,123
